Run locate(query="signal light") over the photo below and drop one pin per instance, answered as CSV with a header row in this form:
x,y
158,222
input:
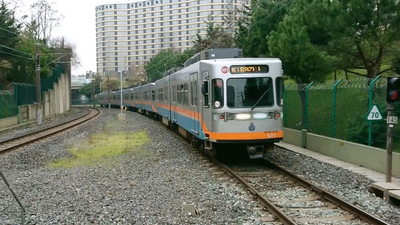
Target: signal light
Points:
x,y
393,89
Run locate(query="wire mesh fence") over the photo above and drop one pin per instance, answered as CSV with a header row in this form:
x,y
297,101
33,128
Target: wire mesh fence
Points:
x,y
8,106
339,110
17,94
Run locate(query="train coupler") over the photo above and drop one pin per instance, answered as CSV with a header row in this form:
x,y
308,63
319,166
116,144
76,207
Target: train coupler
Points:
x,y
255,152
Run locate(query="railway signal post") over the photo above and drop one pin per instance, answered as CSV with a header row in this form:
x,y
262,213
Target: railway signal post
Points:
x,y
392,96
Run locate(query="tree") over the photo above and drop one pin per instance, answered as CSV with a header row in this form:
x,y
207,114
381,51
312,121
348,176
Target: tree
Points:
x,y
44,19
61,43
363,33
216,37
301,59
256,24
165,60
24,68
88,89
9,33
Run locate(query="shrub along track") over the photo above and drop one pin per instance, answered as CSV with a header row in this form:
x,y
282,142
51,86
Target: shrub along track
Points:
x,y
29,138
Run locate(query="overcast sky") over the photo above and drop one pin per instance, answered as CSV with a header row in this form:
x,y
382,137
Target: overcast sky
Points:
x,y
78,26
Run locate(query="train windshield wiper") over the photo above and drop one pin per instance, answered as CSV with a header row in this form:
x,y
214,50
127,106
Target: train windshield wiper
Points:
x,y
262,96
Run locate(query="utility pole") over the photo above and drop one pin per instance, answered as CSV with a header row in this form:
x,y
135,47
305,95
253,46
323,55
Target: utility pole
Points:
x,y
392,95
108,93
94,100
389,142
38,88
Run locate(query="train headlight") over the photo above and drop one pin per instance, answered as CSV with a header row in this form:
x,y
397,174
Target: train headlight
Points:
x,y
243,116
259,116
270,115
231,116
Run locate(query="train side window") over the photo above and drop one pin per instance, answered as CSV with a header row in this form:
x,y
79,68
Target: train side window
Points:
x,y
192,93
178,93
182,94
186,97
195,93
174,93
204,91
165,94
153,95
218,93
160,94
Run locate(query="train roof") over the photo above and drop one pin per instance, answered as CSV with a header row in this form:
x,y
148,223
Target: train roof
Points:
x,y
267,60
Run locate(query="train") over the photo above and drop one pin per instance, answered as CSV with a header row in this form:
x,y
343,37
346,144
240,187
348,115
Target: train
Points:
x,y
219,101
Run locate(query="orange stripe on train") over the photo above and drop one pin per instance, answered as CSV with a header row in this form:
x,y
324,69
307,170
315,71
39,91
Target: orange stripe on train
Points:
x,y
245,136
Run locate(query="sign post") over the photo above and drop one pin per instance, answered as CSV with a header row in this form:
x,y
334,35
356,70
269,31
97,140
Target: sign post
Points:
x,y
392,95
389,141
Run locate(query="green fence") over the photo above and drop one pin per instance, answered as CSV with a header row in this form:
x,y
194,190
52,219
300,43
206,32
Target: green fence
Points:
x,y
338,109
8,106
25,94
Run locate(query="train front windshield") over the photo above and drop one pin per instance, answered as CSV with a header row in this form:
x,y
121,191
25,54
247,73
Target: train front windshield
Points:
x,y
245,92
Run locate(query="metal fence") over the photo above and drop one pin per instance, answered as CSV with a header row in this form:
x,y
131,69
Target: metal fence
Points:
x,y
339,109
24,94
8,106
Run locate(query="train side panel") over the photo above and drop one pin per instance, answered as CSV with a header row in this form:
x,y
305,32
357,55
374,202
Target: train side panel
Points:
x,y
163,106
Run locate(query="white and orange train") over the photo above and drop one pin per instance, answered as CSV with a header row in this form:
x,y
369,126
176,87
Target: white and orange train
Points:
x,y
217,104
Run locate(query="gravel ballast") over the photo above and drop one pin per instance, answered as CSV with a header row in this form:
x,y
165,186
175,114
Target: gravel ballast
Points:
x,y
349,186
145,187
149,186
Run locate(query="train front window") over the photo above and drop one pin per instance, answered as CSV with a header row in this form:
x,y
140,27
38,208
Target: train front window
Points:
x,y
245,92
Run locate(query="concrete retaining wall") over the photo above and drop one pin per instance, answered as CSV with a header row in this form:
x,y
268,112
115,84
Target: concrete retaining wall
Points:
x,y
54,102
362,155
8,122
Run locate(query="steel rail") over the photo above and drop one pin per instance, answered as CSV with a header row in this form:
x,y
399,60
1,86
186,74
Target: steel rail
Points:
x,y
272,208
50,131
44,129
357,212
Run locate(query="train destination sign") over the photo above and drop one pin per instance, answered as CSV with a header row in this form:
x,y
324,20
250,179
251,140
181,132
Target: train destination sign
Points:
x,y
238,69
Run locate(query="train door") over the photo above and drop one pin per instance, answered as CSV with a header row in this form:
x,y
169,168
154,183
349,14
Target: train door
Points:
x,y
205,100
174,99
194,109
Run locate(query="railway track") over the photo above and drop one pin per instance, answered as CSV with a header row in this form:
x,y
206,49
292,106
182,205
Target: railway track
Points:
x,y
29,138
311,205
293,200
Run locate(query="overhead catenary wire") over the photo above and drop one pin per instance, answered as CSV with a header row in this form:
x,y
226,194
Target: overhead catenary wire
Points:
x,y
16,55
26,53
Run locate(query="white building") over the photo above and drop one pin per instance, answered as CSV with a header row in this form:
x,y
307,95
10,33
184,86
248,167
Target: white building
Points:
x,y
131,33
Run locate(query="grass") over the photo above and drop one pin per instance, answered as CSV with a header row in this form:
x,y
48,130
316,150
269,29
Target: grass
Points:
x,y
350,110
102,147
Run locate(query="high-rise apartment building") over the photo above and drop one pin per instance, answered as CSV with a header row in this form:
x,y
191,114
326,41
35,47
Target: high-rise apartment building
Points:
x,y
129,34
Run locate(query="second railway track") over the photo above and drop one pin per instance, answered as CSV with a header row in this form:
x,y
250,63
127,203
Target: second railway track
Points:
x,y
31,137
293,200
